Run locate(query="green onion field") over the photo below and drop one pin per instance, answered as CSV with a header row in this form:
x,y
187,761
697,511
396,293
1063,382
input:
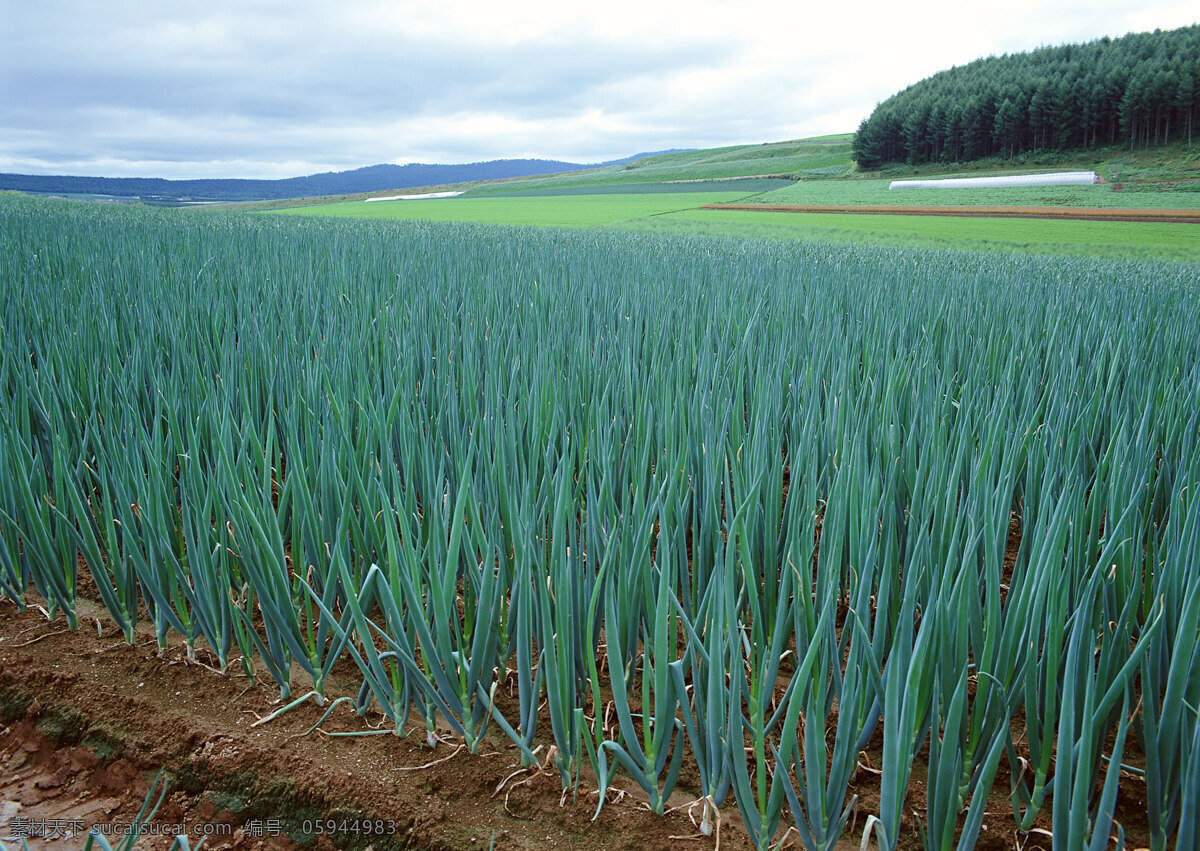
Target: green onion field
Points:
x,y
721,522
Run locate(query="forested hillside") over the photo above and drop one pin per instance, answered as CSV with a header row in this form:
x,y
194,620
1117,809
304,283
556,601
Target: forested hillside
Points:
x,y
1139,90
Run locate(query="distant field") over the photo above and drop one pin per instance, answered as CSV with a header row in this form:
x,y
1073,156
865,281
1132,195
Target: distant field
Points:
x,y
867,192
741,185
1037,236
678,213
554,211
639,196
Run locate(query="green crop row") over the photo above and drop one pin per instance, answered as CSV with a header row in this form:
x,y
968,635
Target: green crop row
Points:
x,y
752,506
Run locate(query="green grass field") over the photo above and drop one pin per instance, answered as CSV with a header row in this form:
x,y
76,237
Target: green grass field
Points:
x,y
867,192
554,211
678,213
827,155
1142,240
640,196
744,185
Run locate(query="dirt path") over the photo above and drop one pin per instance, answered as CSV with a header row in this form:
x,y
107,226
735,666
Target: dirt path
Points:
x,y
1079,214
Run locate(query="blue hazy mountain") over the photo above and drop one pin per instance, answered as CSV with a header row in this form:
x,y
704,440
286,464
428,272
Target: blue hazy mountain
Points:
x,y
372,178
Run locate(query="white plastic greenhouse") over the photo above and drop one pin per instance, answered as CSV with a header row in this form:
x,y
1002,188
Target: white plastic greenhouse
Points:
x,y
1062,178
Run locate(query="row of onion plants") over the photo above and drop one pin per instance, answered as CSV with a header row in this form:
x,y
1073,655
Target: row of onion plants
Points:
x,y
803,519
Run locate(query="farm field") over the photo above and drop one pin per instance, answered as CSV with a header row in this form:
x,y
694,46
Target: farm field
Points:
x,y
1143,240
747,185
681,213
553,211
867,192
1165,177
602,538
646,196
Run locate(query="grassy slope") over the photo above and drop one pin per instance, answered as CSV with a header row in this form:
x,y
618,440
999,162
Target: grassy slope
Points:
x,y
744,185
828,176
794,158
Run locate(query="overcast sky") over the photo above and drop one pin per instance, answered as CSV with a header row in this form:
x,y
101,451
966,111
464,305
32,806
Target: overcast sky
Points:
x,y
238,88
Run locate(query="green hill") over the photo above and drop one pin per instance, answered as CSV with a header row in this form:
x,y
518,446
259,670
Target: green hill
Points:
x,y
822,157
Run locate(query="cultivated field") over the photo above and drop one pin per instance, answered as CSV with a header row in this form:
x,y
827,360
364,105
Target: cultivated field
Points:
x,y
683,214
548,211
868,192
586,538
821,172
1057,238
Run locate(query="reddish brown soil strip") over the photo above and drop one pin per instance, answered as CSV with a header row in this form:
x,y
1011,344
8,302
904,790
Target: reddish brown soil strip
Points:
x,y
1078,214
86,722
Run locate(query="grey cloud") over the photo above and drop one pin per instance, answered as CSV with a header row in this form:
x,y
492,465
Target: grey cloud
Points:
x,y
410,78
271,88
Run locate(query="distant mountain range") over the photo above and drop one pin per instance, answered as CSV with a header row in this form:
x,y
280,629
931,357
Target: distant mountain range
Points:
x,y
372,178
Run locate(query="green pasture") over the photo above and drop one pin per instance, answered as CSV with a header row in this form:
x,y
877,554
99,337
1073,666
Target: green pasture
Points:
x,y
869,192
640,196
555,211
1143,240
679,213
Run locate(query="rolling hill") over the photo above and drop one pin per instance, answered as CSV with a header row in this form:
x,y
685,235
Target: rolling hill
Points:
x,y
372,178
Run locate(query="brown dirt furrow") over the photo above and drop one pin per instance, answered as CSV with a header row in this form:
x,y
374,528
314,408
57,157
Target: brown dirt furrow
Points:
x,y
86,721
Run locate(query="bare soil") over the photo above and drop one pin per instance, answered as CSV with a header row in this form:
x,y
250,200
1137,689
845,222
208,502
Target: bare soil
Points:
x,y
86,722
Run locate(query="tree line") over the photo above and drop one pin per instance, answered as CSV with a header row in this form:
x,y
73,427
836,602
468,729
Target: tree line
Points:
x,y
1139,90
